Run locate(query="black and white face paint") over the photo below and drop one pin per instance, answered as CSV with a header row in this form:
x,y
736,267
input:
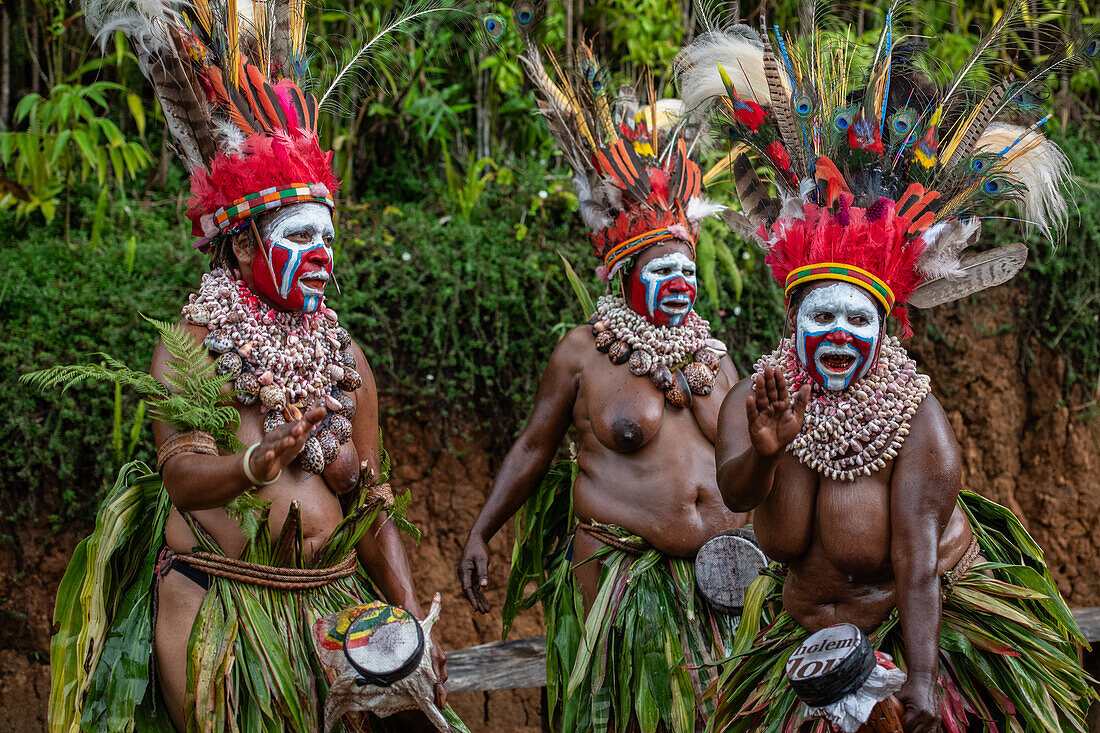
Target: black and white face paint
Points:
x,y
837,335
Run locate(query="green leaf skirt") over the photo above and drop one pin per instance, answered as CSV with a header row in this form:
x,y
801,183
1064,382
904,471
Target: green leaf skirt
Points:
x,y
644,653
252,664
1008,646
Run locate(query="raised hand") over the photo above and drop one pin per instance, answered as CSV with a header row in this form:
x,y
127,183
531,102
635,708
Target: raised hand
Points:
x,y
473,573
282,445
775,418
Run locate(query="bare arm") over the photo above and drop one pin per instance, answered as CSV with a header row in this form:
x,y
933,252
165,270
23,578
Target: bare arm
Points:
x,y
527,461
758,419
197,481
923,493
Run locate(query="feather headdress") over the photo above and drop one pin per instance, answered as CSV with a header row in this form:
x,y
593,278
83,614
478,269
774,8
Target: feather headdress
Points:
x,y
882,175
226,74
633,170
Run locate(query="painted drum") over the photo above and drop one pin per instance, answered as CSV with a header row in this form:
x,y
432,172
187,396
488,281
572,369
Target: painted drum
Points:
x,y
383,643
725,566
830,664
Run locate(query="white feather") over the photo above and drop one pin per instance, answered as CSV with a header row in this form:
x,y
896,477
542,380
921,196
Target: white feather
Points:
x,y
231,139
700,207
943,246
1043,170
742,58
143,21
790,205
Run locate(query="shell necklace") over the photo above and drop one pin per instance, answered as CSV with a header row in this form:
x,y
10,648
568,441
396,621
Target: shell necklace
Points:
x,y
287,361
855,431
680,360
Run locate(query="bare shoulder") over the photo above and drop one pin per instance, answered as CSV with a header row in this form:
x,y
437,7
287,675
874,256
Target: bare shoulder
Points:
x,y
727,372
573,350
930,432
361,364
928,470
738,393
161,355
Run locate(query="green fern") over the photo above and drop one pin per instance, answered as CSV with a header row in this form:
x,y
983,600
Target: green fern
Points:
x,y
248,511
399,514
108,370
193,400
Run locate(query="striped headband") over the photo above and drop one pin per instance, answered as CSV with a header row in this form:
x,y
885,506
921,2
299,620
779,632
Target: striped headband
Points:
x,y
630,247
845,273
246,207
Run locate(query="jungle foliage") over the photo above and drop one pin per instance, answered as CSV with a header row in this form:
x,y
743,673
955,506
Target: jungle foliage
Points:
x,y
450,243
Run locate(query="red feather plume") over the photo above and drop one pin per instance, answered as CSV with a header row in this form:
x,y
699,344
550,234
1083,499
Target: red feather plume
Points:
x,y
275,160
879,244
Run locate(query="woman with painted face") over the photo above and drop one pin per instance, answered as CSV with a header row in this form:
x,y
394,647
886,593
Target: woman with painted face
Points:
x,y
837,443
617,528
215,576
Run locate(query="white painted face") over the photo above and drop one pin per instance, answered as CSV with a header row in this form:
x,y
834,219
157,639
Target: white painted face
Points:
x,y
298,239
670,286
837,334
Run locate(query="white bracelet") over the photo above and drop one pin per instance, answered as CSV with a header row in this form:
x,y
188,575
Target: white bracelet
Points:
x,y
248,469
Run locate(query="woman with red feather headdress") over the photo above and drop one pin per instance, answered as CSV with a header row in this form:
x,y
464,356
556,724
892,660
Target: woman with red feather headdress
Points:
x,y
217,593
611,537
837,444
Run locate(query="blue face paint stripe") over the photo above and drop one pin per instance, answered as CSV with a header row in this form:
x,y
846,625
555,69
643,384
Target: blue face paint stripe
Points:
x,y
293,262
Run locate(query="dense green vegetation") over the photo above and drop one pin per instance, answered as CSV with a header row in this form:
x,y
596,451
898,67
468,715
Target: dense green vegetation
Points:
x,y
449,254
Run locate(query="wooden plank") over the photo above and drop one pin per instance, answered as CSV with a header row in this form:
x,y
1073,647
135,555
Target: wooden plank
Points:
x,y
1089,621
499,665
507,665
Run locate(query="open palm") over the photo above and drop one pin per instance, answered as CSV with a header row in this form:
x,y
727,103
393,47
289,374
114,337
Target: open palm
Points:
x,y
775,418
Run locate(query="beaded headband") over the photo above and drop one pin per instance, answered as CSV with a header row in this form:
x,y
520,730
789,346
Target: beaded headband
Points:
x,y
847,273
246,207
630,247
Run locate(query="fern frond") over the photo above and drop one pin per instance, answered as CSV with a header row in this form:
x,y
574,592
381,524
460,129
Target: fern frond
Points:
x,y
384,461
399,514
111,370
195,398
189,367
249,512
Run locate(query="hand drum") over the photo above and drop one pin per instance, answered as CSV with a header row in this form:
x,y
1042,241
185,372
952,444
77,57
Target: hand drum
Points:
x,y
383,644
833,663
725,566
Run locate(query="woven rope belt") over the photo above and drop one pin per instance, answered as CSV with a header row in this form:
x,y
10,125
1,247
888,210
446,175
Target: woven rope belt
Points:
x,y
265,575
603,533
970,558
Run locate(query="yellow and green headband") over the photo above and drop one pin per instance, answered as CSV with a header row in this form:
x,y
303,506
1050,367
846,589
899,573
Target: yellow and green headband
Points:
x,y
846,273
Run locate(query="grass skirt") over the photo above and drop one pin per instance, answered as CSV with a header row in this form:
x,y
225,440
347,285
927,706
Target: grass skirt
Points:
x,y
1008,646
642,657
252,665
